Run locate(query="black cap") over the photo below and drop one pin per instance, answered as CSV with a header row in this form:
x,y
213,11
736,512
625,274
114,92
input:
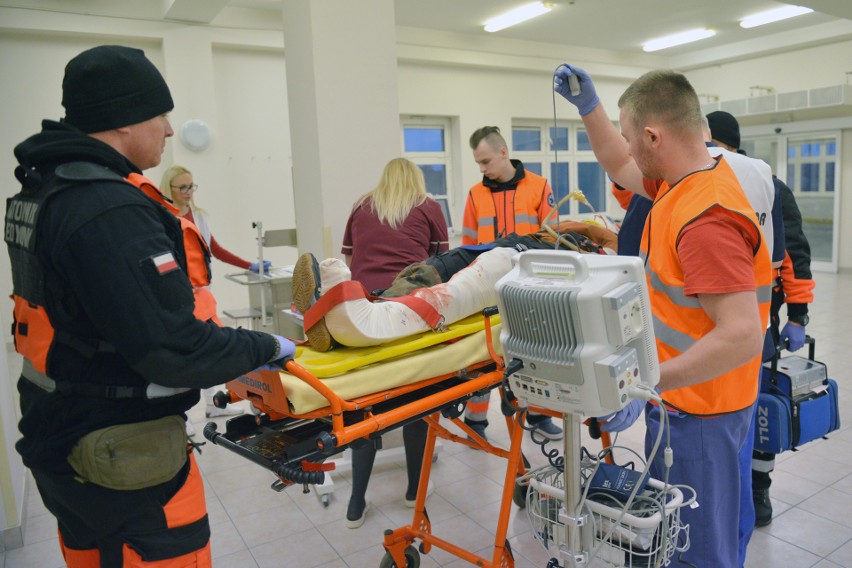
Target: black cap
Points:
x,y
111,86
724,128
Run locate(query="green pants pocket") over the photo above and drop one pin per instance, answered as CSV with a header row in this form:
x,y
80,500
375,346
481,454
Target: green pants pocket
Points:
x,y
132,456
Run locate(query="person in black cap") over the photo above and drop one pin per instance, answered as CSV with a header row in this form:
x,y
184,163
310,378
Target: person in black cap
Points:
x,y
113,354
794,289
724,130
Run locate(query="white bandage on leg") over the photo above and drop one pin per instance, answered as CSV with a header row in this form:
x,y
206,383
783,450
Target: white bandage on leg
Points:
x,y
359,323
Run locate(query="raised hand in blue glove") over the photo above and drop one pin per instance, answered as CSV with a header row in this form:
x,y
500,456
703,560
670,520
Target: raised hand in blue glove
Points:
x,y
624,418
793,336
267,264
587,99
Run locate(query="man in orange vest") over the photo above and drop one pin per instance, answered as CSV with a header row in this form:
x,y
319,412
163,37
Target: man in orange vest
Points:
x,y
709,278
509,199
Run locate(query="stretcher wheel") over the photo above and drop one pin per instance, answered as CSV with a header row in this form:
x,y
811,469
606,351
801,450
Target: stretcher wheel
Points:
x,y
519,495
412,559
454,411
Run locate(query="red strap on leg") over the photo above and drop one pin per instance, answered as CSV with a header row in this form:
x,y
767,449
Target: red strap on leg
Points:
x,y
353,290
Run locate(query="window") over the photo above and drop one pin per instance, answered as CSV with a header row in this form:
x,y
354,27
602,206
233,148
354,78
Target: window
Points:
x,y
807,163
564,152
811,165
425,141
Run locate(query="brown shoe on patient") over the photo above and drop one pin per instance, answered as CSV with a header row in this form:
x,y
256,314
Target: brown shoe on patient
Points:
x,y
306,291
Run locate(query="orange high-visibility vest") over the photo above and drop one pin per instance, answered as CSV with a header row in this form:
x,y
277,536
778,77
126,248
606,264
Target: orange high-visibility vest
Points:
x,y
679,320
527,206
196,250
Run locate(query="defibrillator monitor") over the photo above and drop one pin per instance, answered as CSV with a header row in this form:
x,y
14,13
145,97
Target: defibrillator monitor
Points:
x,y
581,326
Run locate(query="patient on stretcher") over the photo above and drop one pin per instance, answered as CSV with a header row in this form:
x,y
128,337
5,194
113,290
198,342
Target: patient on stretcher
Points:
x,y
448,287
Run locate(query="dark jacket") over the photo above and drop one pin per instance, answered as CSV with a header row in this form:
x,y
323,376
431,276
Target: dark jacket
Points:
x,y
798,283
95,244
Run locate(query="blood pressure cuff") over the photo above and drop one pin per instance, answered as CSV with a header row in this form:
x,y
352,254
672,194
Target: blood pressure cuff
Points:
x,y
784,423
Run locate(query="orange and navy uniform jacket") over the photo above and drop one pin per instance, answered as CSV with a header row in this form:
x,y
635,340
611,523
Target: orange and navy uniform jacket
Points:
x,y
679,320
495,209
197,252
103,304
797,282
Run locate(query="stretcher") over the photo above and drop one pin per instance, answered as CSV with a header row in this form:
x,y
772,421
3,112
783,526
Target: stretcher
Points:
x,y
324,402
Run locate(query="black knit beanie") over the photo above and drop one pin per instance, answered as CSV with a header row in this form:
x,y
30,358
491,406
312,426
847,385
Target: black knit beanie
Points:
x,y
111,86
724,128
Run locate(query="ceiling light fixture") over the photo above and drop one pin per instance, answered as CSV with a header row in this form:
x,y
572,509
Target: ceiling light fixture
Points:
x,y
677,39
518,15
774,16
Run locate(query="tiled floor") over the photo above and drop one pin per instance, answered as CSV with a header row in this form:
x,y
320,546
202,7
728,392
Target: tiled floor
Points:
x,y
254,526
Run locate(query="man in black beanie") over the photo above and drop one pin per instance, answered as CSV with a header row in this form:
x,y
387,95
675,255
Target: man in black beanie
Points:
x,y
724,129
113,354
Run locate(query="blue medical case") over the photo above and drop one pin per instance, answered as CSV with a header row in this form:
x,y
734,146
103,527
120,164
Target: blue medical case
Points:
x,y
797,403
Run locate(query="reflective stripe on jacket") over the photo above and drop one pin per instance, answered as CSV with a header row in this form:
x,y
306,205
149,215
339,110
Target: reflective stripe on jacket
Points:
x,y
486,218
679,320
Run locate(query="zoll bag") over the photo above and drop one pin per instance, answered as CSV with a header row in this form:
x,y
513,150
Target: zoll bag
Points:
x,y
797,403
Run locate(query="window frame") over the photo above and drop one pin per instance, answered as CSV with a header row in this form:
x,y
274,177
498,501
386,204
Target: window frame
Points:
x,y
573,157
444,158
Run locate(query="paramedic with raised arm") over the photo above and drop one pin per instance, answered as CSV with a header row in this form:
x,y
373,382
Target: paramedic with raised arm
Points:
x,y
709,279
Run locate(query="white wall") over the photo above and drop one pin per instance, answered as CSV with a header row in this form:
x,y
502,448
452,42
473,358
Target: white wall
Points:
x,y
820,66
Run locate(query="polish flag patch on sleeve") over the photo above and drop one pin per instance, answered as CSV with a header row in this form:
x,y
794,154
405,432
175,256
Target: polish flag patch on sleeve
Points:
x,y
164,263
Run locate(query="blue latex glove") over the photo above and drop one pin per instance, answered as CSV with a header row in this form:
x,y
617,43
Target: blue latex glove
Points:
x,y
286,351
587,99
624,418
256,269
795,334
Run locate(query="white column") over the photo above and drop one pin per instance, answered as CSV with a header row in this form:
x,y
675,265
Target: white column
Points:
x,y
344,109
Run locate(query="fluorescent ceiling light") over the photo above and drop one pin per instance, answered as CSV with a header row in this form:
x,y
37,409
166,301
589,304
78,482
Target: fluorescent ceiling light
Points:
x,y
516,16
677,39
774,16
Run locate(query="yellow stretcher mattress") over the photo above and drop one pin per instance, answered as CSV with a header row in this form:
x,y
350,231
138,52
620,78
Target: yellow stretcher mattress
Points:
x,y
358,371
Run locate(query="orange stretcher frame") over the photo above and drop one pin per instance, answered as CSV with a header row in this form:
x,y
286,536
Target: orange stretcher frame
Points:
x,y
265,391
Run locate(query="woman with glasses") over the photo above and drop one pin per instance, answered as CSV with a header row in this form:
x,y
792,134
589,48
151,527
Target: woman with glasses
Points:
x,y
179,186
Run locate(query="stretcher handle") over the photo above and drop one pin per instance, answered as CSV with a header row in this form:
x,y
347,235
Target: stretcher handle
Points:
x,y
337,404
487,314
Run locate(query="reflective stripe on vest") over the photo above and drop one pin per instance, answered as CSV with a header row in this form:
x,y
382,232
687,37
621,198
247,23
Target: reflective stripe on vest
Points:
x,y
152,391
522,204
679,320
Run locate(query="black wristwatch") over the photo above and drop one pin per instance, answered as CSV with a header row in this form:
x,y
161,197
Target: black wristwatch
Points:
x,y
800,320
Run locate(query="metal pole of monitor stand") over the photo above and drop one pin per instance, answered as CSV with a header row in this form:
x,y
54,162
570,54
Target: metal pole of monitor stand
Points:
x,y
265,319
578,536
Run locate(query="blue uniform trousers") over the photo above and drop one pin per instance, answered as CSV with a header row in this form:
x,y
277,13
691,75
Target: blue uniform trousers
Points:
x,y
706,458
746,524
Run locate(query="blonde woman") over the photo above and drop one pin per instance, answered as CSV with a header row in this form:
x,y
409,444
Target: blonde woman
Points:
x,y
394,225
179,186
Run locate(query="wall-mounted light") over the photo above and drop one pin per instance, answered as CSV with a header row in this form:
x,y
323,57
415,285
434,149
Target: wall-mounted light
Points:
x,y
775,15
518,15
677,39
195,135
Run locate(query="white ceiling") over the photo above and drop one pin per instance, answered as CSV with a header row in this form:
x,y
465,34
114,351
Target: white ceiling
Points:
x,y
616,26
